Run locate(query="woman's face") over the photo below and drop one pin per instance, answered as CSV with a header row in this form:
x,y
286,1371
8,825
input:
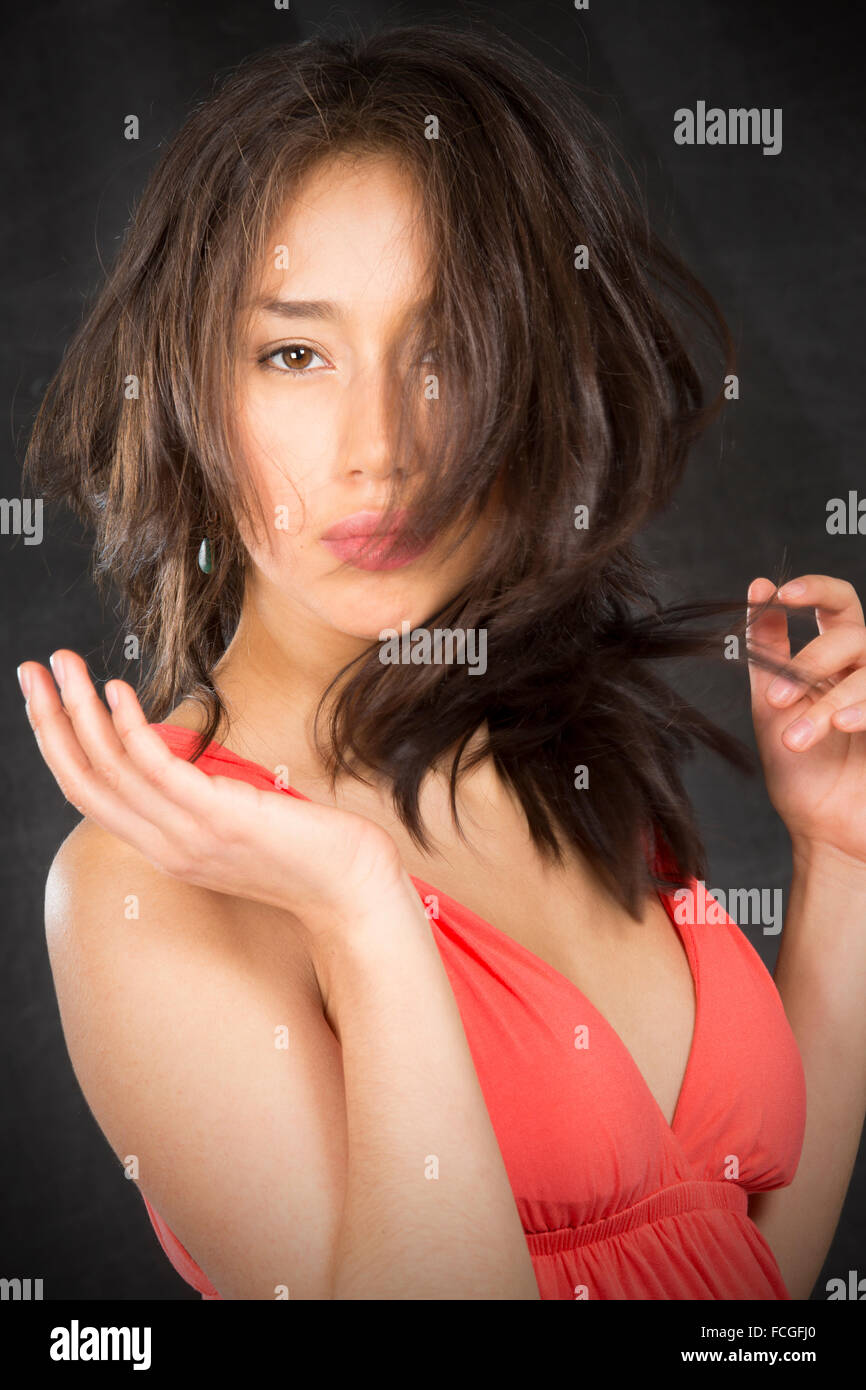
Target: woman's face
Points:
x,y
313,390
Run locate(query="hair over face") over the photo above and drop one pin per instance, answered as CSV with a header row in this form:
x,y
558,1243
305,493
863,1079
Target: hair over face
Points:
x,y
559,386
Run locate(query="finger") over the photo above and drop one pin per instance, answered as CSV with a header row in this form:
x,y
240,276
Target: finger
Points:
x,y
843,708
829,657
106,751
182,783
73,773
835,600
131,749
767,633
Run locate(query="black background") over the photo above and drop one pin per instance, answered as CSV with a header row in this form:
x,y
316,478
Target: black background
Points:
x,y
778,239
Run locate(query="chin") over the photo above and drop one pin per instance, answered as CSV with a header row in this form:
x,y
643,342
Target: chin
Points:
x,y
366,620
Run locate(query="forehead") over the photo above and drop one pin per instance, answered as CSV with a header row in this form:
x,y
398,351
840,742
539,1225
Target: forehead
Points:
x,y
353,233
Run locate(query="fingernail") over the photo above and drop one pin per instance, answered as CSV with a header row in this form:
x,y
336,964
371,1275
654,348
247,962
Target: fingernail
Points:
x,y
780,689
56,664
792,590
24,682
800,732
111,695
850,716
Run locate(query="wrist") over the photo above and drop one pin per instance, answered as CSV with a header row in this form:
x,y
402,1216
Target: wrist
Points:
x,y
361,925
820,859
356,908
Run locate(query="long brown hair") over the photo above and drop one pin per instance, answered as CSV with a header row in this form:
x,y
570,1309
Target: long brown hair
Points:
x,y
563,380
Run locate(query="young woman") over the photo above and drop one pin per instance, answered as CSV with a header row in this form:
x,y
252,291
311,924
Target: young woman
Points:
x,y
369,951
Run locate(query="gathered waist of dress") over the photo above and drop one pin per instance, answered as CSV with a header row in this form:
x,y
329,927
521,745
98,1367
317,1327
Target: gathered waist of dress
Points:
x,y
681,1197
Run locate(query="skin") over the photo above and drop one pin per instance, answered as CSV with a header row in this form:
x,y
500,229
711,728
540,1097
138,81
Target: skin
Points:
x,y
314,441
318,443
320,446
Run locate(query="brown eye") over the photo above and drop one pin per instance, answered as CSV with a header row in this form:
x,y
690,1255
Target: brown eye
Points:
x,y
295,358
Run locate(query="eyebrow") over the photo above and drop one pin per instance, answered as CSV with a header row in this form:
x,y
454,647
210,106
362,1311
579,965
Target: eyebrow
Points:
x,y
301,308
313,308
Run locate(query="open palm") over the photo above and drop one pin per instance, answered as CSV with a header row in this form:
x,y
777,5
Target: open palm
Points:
x,y
215,832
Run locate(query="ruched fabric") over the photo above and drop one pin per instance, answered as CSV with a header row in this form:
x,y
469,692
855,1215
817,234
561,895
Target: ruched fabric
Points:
x,y
615,1202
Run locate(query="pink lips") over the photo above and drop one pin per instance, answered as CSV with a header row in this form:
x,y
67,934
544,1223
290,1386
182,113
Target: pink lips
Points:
x,y
347,539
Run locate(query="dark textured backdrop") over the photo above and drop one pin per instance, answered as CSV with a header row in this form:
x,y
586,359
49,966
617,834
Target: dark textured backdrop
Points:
x,y
778,239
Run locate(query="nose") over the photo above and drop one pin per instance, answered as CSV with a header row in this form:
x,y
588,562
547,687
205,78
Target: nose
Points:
x,y
371,407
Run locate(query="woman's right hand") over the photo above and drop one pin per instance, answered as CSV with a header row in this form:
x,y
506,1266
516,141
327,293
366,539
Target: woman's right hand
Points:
x,y
314,861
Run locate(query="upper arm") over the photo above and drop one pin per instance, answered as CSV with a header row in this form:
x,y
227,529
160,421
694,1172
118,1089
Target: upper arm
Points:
x,y
173,1001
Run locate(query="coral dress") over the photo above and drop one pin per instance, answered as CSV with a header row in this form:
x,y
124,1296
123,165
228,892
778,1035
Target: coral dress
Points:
x,y
615,1202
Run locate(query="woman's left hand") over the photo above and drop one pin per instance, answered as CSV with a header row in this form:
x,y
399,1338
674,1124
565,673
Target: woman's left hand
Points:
x,y
813,747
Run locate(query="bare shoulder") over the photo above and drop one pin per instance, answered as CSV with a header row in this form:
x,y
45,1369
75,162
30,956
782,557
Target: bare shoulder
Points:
x,y
194,1027
117,920
101,890
92,865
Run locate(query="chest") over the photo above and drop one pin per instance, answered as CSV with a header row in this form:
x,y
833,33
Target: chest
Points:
x,y
636,974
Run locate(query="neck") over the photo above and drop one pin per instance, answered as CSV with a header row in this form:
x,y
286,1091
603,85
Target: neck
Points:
x,y
272,677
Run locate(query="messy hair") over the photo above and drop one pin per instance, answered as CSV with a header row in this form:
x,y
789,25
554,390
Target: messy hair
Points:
x,y
563,379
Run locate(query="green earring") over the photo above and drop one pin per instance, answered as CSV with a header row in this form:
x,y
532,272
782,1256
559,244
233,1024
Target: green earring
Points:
x,y
205,556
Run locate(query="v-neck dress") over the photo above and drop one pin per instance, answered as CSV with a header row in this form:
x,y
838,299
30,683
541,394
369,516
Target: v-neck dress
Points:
x,y
616,1203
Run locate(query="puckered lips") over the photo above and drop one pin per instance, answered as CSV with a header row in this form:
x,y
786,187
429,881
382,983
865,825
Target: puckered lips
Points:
x,y
348,538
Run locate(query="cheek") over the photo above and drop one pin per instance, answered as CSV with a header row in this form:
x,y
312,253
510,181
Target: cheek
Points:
x,y
280,471
291,449
290,423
